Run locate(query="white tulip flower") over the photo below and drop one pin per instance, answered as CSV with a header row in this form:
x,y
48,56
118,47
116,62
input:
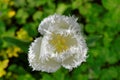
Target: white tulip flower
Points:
x,y
62,44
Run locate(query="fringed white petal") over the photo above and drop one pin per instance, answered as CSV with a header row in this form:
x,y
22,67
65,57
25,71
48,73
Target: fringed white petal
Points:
x,y
58,22
35,62
70,62
75,56
74,60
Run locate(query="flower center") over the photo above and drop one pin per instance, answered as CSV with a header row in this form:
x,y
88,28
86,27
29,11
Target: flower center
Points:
x,y
62,42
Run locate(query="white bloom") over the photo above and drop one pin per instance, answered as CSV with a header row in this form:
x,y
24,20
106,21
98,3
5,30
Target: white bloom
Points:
x,y
62,45
35,61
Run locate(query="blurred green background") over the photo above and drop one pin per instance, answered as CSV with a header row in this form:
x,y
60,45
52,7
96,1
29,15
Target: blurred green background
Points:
x,y
19,20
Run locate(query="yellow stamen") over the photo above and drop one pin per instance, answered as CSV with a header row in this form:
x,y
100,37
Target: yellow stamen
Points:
x,y
62,43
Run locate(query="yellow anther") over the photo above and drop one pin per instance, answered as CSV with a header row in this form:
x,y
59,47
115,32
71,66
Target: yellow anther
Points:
x,y
60,42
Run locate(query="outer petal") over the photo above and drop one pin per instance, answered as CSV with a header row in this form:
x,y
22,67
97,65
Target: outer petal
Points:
x,y
79,55
35,62
73,61
56,22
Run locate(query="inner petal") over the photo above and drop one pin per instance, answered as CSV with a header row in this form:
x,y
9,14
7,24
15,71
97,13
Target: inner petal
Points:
x,y
62,24
62,42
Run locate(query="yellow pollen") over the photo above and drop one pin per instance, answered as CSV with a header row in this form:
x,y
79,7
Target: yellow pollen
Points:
x,y
62,43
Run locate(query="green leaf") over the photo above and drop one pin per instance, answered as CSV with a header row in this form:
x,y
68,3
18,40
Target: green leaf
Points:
x,y
2,27
115,48
90,28
76,4
92,40
90,11
37,15
59,75
16,69
10,32
23,45
47,77
107,39
109,73
49,8
25,77
31,3
21,16
61,8
31,28
115,14
111,4
36,3
1,43
20,3
82,77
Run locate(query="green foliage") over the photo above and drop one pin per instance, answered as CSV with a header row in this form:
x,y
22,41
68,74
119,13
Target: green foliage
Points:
x,y
19,20
23,45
